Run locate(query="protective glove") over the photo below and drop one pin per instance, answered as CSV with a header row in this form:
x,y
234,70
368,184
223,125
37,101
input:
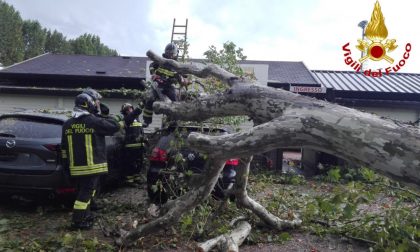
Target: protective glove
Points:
x,y
104,109
140,105
118,118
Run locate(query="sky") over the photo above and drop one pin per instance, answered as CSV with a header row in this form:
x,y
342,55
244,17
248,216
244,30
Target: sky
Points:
x,y
312,31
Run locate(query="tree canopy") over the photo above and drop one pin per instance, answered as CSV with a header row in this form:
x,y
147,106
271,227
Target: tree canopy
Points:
x,y
90,45
24,39
11,41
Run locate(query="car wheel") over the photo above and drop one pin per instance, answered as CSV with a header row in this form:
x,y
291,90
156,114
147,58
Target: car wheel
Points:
x,y
114,175
68,201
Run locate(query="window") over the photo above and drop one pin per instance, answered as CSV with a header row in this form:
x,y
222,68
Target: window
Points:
x,y
29,128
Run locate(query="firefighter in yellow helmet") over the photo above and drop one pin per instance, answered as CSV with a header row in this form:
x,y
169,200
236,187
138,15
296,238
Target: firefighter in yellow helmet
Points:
x,y
84,152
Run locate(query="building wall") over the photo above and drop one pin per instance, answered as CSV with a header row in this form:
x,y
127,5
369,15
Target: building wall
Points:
x,y
11,102
18,102
400,114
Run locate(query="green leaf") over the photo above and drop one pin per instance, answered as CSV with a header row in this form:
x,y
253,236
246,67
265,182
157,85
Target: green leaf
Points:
x,y
348,210
403,247
326,206
154,188
189,173
4,225
67,240
367,174
338,198
311,209
186,221
284,236
334,175
362,199
91,244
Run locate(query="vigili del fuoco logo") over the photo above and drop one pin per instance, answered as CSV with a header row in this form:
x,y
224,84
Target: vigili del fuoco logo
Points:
x,y
376,47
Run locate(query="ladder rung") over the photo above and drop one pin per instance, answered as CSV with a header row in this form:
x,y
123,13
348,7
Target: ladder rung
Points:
x,y
177,36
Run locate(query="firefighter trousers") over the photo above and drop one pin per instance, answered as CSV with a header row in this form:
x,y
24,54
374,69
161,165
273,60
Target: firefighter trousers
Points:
x,y
133,162
86,186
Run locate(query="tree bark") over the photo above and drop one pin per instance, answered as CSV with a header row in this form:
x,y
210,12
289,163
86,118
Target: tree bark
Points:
x,y
228,242
288,120
243,200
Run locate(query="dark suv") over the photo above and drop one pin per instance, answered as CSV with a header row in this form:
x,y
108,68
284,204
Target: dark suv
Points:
x,y
172,164
29,154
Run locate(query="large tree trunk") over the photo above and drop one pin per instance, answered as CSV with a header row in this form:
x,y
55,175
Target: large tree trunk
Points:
x,y
283,120
286,119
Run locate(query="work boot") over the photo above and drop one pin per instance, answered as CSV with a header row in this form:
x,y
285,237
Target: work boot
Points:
x,y
139,179
90,217
129,181
95,206
82,225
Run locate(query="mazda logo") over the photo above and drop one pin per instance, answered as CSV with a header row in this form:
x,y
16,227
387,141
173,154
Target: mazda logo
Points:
x,y
10,143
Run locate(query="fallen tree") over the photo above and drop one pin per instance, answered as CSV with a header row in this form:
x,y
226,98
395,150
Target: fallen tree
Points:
x,y
283,120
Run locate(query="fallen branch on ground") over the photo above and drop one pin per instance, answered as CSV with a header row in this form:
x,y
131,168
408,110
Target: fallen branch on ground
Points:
x,y
227,242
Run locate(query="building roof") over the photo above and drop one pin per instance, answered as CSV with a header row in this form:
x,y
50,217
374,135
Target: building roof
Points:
x,y
81,65
403,83
286,72
282,72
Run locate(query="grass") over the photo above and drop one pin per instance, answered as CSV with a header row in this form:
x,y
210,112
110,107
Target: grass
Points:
x,y
359,205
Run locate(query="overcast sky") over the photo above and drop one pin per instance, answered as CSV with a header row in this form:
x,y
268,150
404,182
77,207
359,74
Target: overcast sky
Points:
x,y
312,31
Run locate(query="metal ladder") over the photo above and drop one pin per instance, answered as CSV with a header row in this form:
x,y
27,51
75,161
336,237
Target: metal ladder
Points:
x,y
179,37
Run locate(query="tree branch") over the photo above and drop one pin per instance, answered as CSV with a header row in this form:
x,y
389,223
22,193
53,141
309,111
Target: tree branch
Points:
x,y
199,70
179,206
390,149
200,109
228,242
401,189
243,200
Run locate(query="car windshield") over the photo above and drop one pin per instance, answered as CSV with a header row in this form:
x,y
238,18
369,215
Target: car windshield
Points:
x,y
29,128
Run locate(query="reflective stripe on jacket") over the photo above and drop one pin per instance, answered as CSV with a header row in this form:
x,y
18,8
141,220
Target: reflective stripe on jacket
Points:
x,y
133,129
166,76
83,144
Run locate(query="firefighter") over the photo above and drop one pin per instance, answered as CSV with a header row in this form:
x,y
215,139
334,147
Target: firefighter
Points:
x,y
166,80
133,144
99,107
84,152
